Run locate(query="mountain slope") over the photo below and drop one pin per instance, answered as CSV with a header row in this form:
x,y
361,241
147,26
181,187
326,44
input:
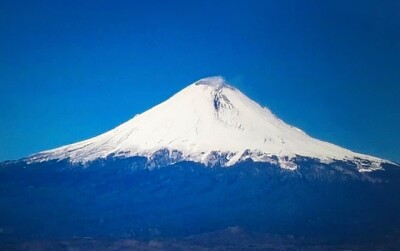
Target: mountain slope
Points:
x,y
119,198
209,119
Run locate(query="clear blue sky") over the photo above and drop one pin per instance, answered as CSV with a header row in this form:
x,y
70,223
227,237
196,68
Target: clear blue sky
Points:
x,y
70,70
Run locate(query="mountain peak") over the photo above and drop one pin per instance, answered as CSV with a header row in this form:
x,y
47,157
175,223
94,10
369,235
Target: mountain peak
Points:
x,y
208,118
217,82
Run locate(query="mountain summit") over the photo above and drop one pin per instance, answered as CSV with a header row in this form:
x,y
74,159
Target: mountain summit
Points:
x,y
210,122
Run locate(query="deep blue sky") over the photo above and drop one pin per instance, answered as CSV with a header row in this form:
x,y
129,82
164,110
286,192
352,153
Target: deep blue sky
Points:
x,y
70,70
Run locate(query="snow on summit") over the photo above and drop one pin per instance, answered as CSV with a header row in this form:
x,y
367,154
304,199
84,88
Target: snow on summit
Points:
x,y
205,120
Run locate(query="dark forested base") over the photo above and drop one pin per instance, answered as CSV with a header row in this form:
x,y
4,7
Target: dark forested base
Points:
x,y
113,200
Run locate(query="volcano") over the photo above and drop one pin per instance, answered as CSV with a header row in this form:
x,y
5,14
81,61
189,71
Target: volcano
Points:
x,y
207,169
209,122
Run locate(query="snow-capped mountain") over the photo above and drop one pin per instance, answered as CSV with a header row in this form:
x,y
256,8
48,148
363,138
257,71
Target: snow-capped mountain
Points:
x,y
149,179
209,121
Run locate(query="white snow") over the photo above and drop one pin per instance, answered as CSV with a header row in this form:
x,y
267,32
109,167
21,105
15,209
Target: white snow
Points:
x,y
208,115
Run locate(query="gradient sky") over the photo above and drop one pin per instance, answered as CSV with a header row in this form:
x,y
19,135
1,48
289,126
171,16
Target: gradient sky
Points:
x,y
70,70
